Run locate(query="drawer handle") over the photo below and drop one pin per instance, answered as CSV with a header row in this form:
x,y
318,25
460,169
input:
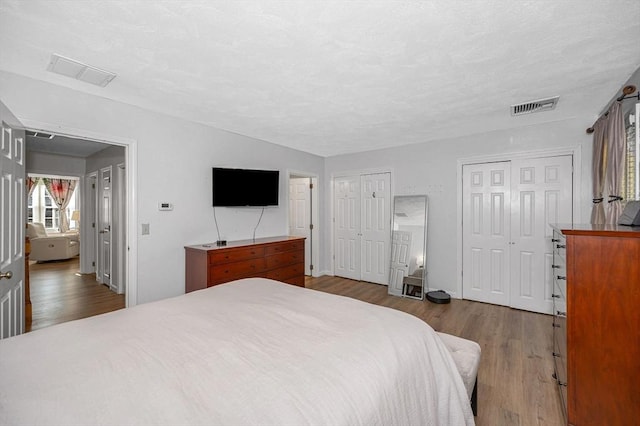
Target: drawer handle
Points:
x,y
557,355
555,240
555,266
561,246
561,277
555,325
561,314
557,296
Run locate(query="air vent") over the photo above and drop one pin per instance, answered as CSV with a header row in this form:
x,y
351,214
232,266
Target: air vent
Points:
x,y
41,135
401,214
535,106
83,72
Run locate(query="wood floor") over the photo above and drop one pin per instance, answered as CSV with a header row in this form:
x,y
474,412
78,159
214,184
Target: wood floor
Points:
x,y
514,380
59,294
515,387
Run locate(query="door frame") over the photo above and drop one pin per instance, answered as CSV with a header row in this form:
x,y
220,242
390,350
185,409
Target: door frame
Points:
x,y
315,232
575,151
131,154
331,269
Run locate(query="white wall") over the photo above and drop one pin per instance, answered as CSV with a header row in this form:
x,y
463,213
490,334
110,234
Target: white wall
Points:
x,y
430,169
174,161
53,164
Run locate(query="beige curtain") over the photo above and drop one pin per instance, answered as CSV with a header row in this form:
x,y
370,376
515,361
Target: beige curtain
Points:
x,y
616,148
599,169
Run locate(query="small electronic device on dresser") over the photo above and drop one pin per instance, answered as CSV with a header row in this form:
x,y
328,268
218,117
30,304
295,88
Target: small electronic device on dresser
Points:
x,y
631,214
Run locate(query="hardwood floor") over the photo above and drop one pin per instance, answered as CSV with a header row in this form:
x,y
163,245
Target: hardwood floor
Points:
x,y
59,294
515,386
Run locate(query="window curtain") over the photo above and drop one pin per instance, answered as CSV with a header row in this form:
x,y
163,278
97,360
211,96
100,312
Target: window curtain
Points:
x,y
31,184
616,148
61,191
599,169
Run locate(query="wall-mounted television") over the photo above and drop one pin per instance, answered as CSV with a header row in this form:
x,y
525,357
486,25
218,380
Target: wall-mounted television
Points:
x,y
244,187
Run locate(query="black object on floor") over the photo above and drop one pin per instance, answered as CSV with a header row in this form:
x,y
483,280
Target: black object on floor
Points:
x,y
438,296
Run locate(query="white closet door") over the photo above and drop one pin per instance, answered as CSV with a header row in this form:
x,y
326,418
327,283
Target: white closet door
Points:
x,y
541,193
486,214
104,233
375,227
347,227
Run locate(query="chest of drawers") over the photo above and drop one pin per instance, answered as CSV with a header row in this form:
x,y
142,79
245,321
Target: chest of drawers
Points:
x,y
278,258
596,319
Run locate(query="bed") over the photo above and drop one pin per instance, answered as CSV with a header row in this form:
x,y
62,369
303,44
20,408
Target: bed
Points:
x,y
250,352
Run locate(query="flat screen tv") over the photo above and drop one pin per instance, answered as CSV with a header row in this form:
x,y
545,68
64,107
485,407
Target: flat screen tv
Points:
x,y
245,188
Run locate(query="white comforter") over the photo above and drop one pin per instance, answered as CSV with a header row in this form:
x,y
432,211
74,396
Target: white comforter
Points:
x,y
251,352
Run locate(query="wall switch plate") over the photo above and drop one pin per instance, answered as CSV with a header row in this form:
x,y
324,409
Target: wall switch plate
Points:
x,y
164,206
145,229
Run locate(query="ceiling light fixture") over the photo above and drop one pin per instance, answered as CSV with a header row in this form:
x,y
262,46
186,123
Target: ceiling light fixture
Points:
x,y
79,71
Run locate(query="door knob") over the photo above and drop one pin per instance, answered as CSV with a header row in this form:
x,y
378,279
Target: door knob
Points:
x,y
6,275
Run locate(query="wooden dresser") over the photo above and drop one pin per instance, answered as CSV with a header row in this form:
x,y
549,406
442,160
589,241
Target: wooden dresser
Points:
x,y
278,258
596,322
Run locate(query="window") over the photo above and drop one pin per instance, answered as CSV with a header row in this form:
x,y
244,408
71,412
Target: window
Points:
x,y
41,208
631,181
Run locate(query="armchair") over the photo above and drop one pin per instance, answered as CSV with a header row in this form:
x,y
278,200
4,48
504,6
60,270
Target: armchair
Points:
x,y
51,247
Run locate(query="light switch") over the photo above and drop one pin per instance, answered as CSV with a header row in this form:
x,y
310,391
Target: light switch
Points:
x,y
145,229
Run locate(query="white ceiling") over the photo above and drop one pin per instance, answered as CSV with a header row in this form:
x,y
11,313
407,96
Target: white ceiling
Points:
x,y
63,145
334,77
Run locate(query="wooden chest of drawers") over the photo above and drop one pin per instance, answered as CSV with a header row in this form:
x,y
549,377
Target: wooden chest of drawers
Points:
x,y
596,321
278,258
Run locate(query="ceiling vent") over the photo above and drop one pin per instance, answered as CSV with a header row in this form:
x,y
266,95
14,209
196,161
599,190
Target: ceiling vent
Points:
x,y
535,106
83,72
41,135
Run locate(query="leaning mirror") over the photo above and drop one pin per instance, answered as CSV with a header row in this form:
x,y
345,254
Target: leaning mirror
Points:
x,y
408,246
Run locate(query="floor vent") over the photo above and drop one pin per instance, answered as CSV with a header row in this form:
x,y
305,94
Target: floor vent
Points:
x,y
535,106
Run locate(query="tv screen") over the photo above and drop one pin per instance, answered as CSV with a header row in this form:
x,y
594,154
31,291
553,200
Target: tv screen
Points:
x,y
242,187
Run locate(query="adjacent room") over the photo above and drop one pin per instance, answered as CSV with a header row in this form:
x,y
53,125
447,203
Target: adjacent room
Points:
x,y
394,212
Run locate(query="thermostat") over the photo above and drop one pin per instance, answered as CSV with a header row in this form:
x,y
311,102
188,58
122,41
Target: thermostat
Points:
x,y
165,206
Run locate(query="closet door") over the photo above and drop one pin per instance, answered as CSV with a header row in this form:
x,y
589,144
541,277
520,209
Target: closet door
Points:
x,y
507,209
541,194
375,227
363,227
485,232
347,227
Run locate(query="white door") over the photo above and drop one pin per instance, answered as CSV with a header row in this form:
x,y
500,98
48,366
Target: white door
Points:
x,y
375,227
347,227
400,249
485,232
12,219
300,215
104,229
541,193
121,250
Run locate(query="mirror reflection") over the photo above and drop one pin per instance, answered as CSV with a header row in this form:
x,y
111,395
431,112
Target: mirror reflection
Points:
x,y
408,246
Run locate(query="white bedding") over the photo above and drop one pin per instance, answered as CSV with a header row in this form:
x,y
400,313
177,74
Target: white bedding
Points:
x,y
251,352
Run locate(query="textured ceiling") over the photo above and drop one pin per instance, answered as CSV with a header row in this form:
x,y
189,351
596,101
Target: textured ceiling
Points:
x,y
333,77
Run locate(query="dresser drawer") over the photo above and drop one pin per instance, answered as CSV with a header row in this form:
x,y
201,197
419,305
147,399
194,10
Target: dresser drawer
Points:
x,y
284,247
284,259
282,274
233,271
234,255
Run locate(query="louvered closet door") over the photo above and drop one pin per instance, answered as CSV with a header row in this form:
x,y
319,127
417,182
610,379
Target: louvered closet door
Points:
x,y
486,215
541,194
